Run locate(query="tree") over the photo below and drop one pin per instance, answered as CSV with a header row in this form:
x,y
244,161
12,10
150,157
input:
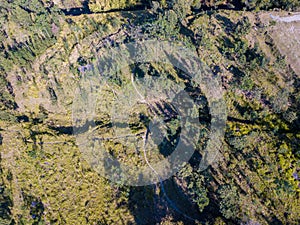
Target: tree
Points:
x,y
195,186
229,205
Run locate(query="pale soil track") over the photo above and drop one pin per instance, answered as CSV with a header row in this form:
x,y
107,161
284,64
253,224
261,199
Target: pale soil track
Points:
x,y
286,35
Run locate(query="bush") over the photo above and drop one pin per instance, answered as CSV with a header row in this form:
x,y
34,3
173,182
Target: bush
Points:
x,y
229,205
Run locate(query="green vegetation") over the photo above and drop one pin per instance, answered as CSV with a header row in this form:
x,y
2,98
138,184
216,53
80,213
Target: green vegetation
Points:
x,y
269,4
100,6
46,180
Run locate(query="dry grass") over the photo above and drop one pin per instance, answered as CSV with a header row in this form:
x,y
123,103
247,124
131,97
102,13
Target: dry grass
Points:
x,y
287,39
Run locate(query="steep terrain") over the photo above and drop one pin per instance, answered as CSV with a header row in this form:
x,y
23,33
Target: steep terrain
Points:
x,y
48,48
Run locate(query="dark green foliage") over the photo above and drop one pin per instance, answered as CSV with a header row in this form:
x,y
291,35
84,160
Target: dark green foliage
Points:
x,y
5,202
253,178
242,27
38,22
229,205
35,207
195,186
269,4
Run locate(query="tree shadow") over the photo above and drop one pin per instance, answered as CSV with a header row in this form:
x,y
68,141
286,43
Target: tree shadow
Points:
x,y
226,23
149,206
142,204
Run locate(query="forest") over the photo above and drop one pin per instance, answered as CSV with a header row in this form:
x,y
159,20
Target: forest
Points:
x,y
65,93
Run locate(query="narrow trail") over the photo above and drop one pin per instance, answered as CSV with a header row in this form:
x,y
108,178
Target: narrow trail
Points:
x,y
172,204
145,137
286,19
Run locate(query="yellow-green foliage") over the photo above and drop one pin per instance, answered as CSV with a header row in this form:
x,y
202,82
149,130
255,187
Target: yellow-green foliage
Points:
x,y
57,174
257,161
100,5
